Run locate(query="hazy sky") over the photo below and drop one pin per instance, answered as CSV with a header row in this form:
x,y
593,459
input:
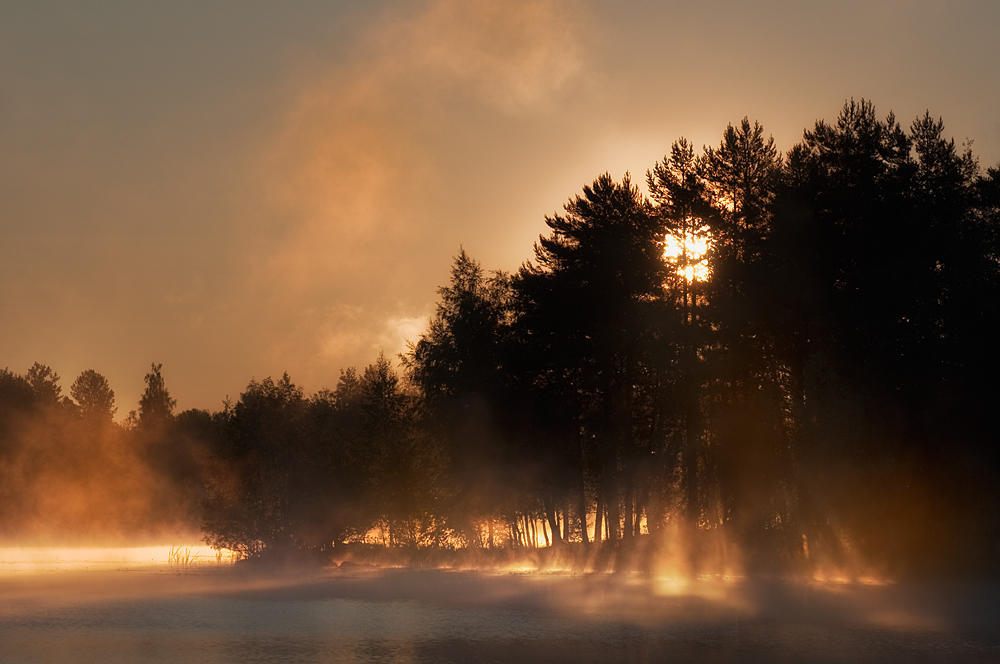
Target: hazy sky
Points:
x,y
236,189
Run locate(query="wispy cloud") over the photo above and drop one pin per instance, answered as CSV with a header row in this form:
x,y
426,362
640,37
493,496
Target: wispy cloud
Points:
x,y
353,172
358,147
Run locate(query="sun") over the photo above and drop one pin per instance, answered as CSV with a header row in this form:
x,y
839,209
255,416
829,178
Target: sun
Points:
x,y
686,251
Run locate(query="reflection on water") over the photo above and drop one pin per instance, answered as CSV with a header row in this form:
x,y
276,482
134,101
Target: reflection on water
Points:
x,y
226,614
32,560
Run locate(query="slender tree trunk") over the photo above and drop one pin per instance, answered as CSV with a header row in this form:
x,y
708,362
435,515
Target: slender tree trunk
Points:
x,y
614,507
639,507
598,518
553,520
612,516
627,530
545,533
566,521
627,446
691,464
582,507
692,424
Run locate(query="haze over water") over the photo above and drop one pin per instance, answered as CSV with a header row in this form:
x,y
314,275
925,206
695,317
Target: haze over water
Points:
x,y
160,613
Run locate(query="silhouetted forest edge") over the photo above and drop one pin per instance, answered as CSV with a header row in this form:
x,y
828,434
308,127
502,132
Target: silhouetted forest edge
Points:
x,y
772,362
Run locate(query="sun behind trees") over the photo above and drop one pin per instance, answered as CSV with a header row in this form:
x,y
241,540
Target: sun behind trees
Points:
x,y
783,362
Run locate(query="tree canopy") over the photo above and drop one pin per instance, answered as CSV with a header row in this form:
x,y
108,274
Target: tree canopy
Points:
x,y
790,354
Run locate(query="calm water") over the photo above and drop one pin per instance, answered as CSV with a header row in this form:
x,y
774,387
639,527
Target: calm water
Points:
x,y
227,615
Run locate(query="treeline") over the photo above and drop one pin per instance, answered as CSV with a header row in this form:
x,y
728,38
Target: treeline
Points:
x,y
70,474
791,354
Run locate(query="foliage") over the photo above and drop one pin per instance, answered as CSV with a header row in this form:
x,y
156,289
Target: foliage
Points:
x,y
94,396
156,406
796,351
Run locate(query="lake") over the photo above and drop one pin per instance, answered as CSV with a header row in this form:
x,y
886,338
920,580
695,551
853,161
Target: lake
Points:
x,y
119,612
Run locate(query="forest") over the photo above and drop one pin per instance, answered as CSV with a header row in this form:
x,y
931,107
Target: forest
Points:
x,y
787,359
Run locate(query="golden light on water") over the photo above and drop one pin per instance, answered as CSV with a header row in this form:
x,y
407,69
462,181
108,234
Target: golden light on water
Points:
x,y
21,559
687,252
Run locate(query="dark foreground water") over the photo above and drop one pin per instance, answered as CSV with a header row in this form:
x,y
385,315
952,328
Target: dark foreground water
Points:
x,y
229,615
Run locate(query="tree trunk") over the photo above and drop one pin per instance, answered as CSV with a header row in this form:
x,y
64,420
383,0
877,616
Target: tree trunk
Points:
x,y
627,530
691,468
614,508
692,419
566,521
553,520
598,519
637,528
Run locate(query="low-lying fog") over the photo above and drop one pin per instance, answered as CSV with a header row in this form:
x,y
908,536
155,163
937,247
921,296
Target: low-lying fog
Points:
x,y
133,605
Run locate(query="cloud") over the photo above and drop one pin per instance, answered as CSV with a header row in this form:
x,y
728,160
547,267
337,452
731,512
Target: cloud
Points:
x,y
514,55
400,330
350,335
354,164
355,174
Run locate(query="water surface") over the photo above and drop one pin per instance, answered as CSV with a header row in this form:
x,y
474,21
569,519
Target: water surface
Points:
x,y
223,614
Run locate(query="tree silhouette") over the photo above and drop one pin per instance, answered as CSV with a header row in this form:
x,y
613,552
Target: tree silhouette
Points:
x,y
44,383
156,406
684,214
583,307
458,365
744,387
791,353
94,396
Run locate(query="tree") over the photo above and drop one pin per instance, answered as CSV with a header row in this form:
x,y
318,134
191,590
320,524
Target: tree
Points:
x,y
744,378
401,470
881,303
458,365
249,495
44,383
685,215
460,352
94,396
584,313
156,406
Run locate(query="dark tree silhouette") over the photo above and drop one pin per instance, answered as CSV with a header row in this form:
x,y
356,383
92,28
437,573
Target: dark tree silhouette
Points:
x,y
156,406
458,365
680,194
44,383
583,315
794,354
94,396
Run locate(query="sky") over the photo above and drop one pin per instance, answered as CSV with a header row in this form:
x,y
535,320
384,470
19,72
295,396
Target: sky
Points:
x,y
237,189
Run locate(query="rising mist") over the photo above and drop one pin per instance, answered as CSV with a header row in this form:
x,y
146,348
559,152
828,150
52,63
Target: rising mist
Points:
x,y
769,363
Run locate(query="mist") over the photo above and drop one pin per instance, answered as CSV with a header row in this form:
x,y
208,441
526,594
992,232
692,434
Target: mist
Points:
x,y
647,393
263,189
526,332
76,477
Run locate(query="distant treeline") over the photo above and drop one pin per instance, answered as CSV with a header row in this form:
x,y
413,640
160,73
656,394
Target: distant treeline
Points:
x,y
795,352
